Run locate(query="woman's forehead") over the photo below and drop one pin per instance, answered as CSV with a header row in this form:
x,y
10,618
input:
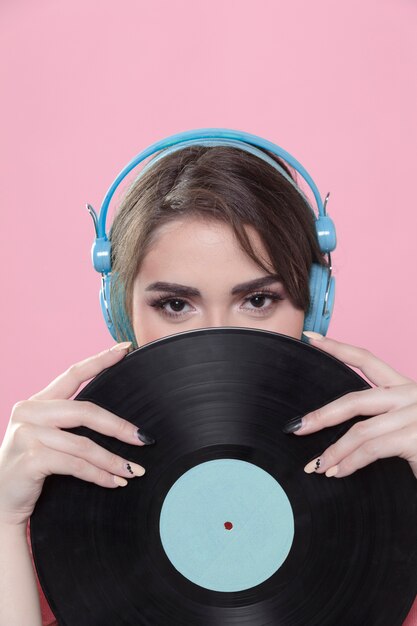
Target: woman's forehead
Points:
x,y
197,231
201,244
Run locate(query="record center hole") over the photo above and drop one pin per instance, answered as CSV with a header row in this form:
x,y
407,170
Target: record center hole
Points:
x,y
228,525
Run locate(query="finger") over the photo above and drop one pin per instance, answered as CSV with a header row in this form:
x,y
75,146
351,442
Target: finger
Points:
x,y
85,448
66,384
373,401
48,462
376,370
72,413
400,443
358,434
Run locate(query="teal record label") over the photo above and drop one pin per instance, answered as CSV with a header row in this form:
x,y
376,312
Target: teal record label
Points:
x,y
227,525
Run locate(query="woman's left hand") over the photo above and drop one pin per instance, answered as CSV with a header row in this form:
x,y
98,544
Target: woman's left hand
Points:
x,y
392,431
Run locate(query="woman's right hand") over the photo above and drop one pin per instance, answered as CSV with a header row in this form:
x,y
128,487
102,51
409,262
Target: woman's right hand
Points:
x,y
34,445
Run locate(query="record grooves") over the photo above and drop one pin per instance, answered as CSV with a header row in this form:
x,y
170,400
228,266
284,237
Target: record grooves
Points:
x,y
298,549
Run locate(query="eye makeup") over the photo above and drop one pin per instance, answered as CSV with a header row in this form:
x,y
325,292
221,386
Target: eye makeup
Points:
x,y
160,302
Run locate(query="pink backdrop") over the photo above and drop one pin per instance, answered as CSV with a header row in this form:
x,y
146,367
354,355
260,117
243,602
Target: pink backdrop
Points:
x,y
86,84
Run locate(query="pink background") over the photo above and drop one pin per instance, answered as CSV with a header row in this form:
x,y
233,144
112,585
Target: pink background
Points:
x,y
87,84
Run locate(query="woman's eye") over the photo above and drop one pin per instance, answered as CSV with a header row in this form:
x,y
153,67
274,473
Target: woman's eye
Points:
x,y
257,301
175,307
171,307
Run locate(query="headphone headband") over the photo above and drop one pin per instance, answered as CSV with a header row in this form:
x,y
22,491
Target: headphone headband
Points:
x,y
209,136
241,145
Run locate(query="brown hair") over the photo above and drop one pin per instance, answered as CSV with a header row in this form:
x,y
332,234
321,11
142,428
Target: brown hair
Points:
x,y
220,183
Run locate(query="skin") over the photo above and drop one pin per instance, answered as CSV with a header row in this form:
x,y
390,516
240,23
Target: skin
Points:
x,y
206,255
391,429
181,254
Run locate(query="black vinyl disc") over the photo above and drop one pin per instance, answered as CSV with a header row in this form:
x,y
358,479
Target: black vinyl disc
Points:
x,y
225,528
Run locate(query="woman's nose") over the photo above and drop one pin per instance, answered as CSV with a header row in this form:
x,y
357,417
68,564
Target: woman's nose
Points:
x,y
217,318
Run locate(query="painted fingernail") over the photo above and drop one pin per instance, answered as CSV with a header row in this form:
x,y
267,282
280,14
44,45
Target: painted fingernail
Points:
x,y
122,482
145,437
332,471
313,335
134,469
119,347
313,466
292,425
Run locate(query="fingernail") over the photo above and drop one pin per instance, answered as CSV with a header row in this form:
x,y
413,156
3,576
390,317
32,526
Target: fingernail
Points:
x,y
313,335
147,439
332,471
122,482
292,425
119,347
313,466
134,469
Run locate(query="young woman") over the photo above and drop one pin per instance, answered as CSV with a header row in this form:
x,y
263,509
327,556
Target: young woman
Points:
x,y
207,236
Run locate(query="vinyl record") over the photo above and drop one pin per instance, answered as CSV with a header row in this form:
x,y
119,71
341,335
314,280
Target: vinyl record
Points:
x,y
226,528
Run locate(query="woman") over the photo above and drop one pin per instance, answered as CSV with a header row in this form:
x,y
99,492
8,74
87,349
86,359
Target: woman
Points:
x,y
207,236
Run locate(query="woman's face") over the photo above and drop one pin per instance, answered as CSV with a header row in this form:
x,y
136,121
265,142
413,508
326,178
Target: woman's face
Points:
x,y
197,276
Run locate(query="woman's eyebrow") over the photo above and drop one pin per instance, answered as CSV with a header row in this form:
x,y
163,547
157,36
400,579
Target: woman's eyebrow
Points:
x,y
184,290
258,283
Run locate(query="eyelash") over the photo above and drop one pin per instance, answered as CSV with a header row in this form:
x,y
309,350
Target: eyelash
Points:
x,y
161,301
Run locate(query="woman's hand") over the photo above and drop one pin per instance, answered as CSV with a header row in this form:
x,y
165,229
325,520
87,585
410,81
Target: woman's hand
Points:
x,y
393,403
34,445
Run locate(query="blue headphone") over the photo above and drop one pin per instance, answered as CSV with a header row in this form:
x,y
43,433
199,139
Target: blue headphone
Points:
x,y
321,282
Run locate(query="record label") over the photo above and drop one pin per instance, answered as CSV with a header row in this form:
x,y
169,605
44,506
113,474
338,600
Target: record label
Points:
x,y
226,525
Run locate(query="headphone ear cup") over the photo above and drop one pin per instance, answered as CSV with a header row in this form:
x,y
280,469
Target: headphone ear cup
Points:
x,y
117,321
105,304
315,320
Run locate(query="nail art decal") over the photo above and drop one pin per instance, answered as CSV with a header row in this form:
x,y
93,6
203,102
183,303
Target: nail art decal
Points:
x,y
134,468
313,466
